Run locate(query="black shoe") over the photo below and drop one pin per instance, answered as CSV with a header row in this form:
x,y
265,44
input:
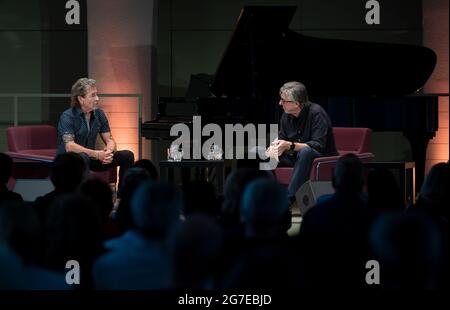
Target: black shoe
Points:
x,y
292,202
294,208
287,220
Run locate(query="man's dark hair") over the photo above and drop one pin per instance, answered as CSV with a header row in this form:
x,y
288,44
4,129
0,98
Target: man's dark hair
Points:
x,y
6,164
20,230
348,176
132,179
263,206
155,208
384,191
147,165
435,185
234,188
67,171
101,195
200,197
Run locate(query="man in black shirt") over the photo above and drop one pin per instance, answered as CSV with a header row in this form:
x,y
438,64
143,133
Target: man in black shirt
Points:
x,y
305,133
79,127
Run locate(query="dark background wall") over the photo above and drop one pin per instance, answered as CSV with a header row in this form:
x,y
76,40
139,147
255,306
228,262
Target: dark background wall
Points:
x,y
193,34
435,36
39,53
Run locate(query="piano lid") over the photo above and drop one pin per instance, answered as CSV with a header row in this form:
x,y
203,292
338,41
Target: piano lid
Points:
x,y
264,53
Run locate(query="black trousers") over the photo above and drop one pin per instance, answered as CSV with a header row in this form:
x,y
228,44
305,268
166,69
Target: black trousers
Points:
x,y
122,159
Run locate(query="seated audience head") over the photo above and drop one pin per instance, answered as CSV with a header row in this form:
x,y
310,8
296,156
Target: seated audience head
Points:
x,y
198,247
20,229
384,191
348,175
11,270
133,178
67,172
263,208
408,247
73,231
200,197
435,185
155,209
100,194
234,187
6,165
147,165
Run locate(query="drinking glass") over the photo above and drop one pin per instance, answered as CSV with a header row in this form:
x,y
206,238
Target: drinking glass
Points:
x,y
176,152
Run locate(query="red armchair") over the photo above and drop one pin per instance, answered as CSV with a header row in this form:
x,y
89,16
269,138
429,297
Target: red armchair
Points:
x,y
37,143
348,140
32,142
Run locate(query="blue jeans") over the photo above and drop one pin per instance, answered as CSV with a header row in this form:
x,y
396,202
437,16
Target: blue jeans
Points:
x,y
302,163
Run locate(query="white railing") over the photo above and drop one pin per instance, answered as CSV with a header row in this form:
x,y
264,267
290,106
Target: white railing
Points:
x,y
16,96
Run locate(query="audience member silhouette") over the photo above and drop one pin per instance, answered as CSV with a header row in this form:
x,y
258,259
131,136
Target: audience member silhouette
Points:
x,y
234,187
198,247
21,232
230,216
132,179
247,248
73,233
66,174
434,201
384,191
147,165
101,195
263,208
141,257
434,194
333,233
264,260
6,165
11,276
200,197
408,248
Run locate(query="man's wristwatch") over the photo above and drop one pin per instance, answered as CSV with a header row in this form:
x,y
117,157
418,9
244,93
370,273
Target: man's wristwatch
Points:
x,y
292,147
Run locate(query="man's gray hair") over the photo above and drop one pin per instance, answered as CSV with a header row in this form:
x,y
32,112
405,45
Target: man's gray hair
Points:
x,y
296,92
79,89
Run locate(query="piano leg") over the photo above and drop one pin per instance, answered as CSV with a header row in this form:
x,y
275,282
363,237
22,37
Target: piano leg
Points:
x,y
419,143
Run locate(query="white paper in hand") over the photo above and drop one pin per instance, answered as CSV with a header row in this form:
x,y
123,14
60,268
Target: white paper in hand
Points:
x,y
272,152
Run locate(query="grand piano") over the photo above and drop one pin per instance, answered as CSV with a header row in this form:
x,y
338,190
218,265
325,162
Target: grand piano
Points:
x,y
360,84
